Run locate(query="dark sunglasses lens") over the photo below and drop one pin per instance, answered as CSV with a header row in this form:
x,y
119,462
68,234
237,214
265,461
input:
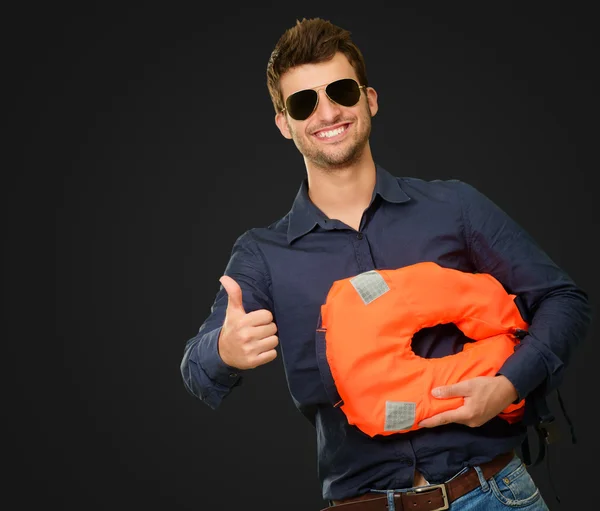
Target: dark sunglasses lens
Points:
x,y
301,104
345,92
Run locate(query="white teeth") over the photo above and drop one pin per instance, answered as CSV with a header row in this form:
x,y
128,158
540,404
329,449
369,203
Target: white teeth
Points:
x,y
332,133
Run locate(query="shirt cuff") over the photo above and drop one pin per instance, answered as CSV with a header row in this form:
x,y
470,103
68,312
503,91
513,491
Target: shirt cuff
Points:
x,y
525,369
212,363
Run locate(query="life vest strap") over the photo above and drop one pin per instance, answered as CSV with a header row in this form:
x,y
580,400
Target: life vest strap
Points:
x,y
324,369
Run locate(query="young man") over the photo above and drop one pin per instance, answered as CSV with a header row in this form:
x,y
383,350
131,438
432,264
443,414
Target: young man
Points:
x,y
351,216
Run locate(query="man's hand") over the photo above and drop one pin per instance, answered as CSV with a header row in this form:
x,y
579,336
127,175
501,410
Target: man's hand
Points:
x,y
246,340
484,398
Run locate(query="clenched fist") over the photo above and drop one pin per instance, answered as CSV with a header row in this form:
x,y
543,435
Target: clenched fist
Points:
x,y
246,340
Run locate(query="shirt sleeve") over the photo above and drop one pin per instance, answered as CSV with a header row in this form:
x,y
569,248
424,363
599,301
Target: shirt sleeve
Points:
x,y
204,373
556,309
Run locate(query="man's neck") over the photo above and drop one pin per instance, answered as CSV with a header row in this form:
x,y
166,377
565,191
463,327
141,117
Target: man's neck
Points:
x,y
342,191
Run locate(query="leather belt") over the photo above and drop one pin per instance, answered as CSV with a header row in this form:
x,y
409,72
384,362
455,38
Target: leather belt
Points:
x,y
433,497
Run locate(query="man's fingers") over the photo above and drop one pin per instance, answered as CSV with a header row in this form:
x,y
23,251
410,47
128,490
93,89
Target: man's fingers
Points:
x,y
262,331
267,344
234,293
265,357
459,389
440,419
264,350
259,317
246,340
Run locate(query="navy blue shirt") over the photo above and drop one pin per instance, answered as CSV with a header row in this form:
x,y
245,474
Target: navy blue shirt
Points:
x,y
289,266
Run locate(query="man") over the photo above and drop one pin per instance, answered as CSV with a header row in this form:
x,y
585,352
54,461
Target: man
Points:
x,y
352,216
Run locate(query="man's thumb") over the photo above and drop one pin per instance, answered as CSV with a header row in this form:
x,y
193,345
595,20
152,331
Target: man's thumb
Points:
x,y
234,292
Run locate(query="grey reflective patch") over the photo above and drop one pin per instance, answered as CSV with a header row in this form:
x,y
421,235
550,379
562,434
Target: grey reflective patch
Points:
x,y
399,415
370,285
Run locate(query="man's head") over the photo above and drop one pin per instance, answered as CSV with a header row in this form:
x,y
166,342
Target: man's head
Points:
x,y
310,41
329,120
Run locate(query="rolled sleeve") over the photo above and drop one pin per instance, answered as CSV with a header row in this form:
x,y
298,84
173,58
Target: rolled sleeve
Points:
x,y
204,373
556,309
529,367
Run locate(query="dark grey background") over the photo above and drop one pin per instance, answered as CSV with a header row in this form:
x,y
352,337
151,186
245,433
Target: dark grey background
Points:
x,y
146,145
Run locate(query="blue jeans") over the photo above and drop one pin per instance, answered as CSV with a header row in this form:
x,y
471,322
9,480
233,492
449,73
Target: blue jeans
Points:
x,y
511,488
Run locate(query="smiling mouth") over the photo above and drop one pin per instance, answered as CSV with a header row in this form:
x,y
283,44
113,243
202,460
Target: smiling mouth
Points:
x,y
332,133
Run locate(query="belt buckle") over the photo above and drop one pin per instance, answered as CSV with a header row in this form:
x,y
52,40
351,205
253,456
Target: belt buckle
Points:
x,y
432,487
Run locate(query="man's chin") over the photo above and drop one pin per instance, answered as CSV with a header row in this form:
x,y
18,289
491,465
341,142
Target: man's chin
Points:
x,y
334,163
332,157
338,160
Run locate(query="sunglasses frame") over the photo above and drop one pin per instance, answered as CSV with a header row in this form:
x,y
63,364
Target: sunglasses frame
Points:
x,y
323,87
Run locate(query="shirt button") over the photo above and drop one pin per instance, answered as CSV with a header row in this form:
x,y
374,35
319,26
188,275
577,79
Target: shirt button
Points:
x,y
232,375
359,236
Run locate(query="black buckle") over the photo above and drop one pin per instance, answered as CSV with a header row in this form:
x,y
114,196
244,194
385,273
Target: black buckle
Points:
x,y
548,431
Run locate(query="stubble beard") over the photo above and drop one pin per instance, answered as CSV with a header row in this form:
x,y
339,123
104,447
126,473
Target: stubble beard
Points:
x,y
334,158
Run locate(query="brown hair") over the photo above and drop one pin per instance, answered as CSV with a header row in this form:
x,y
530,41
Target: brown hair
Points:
x,y
310,41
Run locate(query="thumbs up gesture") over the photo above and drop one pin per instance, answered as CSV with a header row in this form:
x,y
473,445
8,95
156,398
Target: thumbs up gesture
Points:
x,y
247,340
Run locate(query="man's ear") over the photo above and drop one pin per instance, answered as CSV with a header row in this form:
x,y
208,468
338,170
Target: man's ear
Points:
x,y
372,100
282,124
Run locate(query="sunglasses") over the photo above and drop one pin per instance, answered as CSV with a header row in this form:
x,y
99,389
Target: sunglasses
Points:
x,y
300,105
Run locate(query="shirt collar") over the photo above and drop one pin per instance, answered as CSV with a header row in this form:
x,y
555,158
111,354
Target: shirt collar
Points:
x,y
304,215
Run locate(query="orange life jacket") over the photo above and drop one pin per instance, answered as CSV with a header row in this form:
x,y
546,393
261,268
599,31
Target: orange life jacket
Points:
x,y
364,342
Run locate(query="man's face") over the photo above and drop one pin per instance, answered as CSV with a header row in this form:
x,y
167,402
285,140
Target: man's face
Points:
x,y
334,136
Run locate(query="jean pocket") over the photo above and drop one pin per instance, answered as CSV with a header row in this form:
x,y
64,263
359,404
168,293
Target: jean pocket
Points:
x,y
514,486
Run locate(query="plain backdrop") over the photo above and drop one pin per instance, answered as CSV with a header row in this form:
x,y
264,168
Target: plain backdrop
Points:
x,y
145,145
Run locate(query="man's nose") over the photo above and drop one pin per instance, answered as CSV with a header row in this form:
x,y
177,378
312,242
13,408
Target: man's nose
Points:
x,y
326,108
